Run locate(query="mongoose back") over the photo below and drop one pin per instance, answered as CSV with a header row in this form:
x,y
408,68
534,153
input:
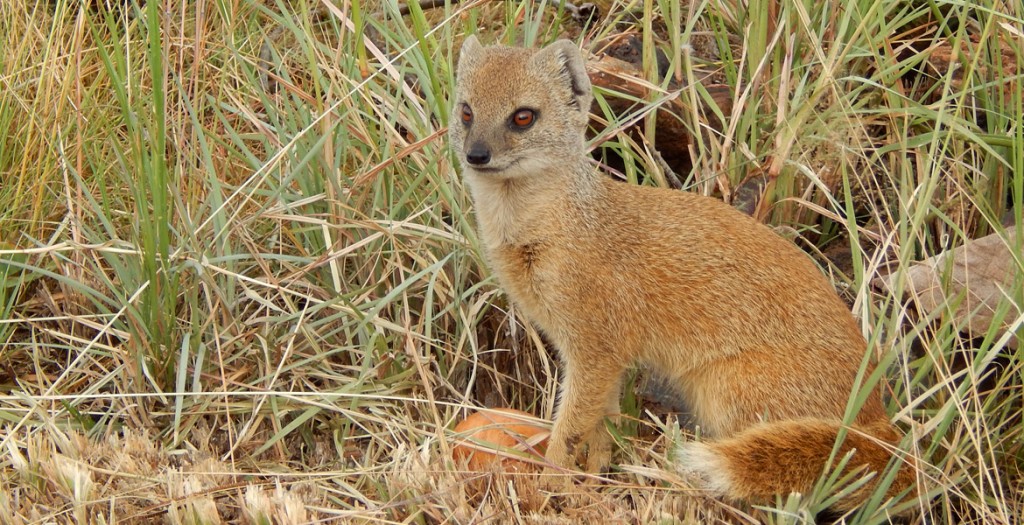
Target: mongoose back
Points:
x,y
754,336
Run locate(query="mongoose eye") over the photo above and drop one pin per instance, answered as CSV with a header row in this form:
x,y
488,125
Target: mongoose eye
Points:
x,y
523,118
467,114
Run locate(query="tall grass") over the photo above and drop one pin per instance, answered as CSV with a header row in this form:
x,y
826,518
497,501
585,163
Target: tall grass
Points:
x,y
268,299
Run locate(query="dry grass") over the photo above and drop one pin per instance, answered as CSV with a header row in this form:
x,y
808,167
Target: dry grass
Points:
x,y
222,302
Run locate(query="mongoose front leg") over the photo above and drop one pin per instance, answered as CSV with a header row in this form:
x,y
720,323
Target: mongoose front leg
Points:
x,y
599,455
587,389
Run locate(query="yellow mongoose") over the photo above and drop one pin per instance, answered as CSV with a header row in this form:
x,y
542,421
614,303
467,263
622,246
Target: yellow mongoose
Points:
x,y
757,340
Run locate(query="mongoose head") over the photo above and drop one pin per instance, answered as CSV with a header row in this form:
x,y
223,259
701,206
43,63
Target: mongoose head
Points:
x,y
519,112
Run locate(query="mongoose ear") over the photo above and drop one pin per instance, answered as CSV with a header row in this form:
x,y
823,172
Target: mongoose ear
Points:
x,y
471,50
564,58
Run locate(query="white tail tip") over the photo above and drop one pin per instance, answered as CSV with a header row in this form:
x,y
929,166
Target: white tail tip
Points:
x,y
699,462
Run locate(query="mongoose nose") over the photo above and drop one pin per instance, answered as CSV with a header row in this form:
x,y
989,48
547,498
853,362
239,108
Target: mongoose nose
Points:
x,y
478,155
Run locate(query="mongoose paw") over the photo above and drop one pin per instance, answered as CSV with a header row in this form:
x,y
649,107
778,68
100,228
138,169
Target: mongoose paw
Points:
x,y
557,475
599,457
556,481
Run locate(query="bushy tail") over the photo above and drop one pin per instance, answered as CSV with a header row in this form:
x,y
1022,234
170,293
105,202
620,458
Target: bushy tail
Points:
x,y
779,458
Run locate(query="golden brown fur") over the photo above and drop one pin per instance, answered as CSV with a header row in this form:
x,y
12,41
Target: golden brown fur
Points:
x,y
615,274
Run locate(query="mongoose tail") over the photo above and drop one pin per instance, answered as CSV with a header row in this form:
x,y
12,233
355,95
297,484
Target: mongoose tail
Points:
x,y
770,459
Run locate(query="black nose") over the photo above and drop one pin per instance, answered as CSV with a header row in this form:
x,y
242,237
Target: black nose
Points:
x,y
478,155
